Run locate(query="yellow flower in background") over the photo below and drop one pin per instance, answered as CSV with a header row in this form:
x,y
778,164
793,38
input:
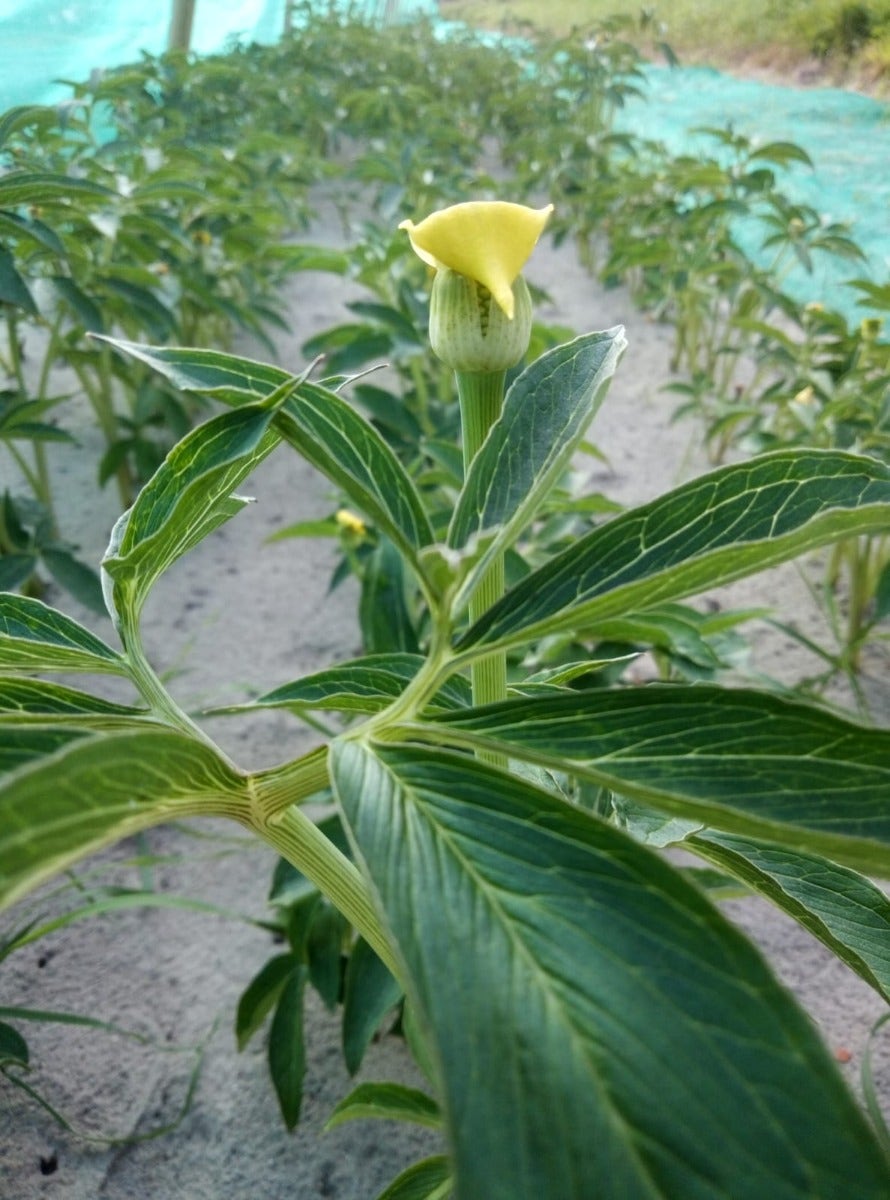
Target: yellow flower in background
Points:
x,y
488,241
350,522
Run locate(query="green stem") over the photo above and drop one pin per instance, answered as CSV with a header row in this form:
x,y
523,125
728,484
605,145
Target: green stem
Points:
x,y
25,468
275,817
159,700
298,839
38,477
99,393
481,396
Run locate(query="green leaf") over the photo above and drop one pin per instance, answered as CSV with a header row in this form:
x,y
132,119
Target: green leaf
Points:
x,y
156,318
226,377
546,413
261,994
426,1180
24,115
188,497
742,761
13,1047
21,746
287,1054
69,801
33,230
37,701
34,637
388,1102
310,258
43,187
841,908
318,423
361,685
16,569
384,614
83,306
13,289
727,524
340,443
782,153
324,952
74,576
369,992
568,967
882,595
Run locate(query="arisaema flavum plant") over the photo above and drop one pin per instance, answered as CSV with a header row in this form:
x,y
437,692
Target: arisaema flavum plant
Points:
x,y
591,1025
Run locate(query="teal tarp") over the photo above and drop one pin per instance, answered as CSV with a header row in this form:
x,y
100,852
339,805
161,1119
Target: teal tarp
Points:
x,y
847,136
42,41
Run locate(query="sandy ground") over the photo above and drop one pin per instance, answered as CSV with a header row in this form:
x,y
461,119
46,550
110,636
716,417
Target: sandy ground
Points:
x,y
238,614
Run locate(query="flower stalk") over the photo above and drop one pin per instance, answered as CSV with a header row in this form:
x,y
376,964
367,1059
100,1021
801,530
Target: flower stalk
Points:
x,y
481,397
480,326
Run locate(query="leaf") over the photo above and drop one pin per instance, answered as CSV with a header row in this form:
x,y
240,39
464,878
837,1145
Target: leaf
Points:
x,y
23,115
426,1180
21,746
388,1102
287,1054
33,230
384,615
310,258
782,153
567,967
157,319
742,761
261,994
546,413
722,526
13,1047
15,570
75,577
44,187
882,594
13,289
38,701
318,423
841,908
340,443
324,952
188,497
72,800
226,377
83,306
360,685
369,993
34,637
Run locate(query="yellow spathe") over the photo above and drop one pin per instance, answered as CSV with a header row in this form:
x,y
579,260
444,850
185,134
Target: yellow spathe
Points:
x,y
485,240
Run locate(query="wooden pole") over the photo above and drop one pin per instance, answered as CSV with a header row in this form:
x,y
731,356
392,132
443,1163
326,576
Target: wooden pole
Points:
x,y
181,25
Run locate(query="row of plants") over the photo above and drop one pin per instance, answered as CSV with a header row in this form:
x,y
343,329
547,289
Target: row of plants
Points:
x,y
706,243
139,247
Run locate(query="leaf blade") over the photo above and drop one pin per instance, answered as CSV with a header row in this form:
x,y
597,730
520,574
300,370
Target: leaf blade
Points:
x,y
188,497
91,789
595,965
843,909
741,761
35,637
546,413
319,423
722,526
